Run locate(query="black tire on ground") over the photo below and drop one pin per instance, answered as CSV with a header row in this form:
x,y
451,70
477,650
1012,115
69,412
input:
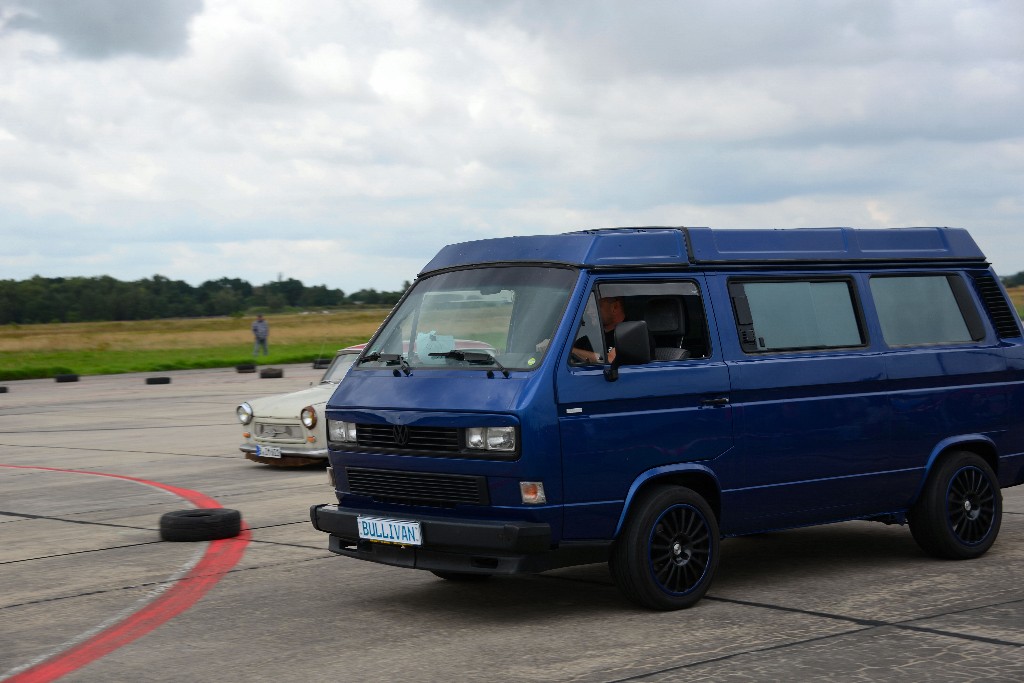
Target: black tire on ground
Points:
x,y
200,524
246,367
66,378
158,380
321,363
667,552
3,390
960,510
463,577
271,373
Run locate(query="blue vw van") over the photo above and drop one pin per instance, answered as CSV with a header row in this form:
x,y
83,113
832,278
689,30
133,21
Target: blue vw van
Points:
x,y
647,392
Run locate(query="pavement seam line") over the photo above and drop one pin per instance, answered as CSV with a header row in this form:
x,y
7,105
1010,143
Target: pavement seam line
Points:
x,y
867,625
875,623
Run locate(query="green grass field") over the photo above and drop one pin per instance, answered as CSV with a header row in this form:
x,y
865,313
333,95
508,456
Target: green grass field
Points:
x,y
40,351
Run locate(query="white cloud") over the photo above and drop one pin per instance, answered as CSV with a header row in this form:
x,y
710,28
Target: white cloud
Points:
x,y
397,77
379,132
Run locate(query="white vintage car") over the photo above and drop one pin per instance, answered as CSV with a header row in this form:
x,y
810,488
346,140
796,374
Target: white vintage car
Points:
x,y
290,430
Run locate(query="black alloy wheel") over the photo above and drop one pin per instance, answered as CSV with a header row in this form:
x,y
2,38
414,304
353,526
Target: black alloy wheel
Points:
x,y
970,502
960,510
667,552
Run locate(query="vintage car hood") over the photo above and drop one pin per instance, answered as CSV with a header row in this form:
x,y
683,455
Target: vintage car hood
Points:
x,y
427,390
289,405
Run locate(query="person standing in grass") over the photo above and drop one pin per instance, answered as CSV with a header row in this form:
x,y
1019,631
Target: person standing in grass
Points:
x,y
260,332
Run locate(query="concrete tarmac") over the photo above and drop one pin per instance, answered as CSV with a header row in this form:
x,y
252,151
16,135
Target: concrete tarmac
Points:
x,y
80,554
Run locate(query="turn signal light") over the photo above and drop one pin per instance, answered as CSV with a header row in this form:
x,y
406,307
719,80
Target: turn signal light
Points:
x,y
532,492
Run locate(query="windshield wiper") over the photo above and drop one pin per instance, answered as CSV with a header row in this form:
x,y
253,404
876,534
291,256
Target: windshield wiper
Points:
x,y
478,357
386,358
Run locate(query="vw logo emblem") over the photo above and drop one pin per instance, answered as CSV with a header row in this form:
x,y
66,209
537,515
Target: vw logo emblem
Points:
x,y
401,434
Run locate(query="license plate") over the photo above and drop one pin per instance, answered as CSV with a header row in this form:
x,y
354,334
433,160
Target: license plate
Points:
x,y
389,531
268,451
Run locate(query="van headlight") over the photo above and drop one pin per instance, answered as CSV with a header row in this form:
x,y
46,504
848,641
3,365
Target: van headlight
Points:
x,y
491,438
339,430
244,413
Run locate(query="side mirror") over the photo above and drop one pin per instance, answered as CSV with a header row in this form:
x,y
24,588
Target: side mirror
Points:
x,y
632,347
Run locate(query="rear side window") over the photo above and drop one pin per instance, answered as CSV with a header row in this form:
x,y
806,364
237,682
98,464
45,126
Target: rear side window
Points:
x,y
925,309
794,315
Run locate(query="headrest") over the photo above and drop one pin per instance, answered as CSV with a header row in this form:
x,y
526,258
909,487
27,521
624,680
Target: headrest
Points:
x,y
664,315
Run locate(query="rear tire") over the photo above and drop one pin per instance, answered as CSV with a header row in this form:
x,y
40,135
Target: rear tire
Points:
x,y
667,552
960,510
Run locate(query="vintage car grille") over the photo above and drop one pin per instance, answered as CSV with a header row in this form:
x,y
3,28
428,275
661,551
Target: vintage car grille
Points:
x,y
417,488
391,437
270,430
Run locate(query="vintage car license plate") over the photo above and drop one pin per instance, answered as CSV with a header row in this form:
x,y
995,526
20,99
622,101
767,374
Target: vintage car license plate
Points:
x,y
268,451
390,530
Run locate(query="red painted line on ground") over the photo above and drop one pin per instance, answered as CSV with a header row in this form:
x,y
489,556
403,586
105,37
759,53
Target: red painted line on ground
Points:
x,y
220,557
200,500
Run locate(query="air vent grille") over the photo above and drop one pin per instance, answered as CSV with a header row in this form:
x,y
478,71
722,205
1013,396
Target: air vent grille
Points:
x,y
1003,318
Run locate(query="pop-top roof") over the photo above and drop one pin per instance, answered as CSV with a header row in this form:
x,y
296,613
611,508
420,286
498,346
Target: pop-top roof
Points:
x,y
654,247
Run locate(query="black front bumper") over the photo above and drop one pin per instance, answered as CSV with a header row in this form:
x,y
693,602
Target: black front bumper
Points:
x,y
476,546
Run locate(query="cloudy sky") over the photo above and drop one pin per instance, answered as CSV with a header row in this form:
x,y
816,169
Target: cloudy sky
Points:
x,y
343,142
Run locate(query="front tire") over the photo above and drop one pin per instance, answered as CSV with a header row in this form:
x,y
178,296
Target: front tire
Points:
x,y
960,509
667,552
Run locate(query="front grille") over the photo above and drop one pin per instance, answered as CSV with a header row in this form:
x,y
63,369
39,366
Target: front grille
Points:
x,y
391,437
417,488
269,430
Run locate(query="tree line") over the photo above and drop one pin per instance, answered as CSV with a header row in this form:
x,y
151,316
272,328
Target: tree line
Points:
x,y
1014,280
94,299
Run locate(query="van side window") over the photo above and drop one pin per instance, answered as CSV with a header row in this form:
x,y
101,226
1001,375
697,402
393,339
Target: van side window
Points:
x,y
793,315
673,311
925,309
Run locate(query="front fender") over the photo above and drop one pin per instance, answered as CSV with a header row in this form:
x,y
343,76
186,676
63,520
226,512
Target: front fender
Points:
x,y
670,473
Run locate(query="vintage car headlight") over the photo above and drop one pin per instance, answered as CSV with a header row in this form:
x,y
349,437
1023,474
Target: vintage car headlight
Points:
x,y
337,430
244,413
308,417
491,438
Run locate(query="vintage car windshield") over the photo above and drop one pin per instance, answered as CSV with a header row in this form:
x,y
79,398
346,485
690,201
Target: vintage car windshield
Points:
x,y
493,318
339,367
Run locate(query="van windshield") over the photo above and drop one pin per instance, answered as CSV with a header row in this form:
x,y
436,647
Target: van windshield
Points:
x,y
493,318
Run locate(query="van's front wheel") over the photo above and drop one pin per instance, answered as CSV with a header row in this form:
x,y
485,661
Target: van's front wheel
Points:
x,y
960,509
667,552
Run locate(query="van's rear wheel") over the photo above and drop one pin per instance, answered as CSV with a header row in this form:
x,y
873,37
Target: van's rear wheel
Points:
x,y
960,510
667,552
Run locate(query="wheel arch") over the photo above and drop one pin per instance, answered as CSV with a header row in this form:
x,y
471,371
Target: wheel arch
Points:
x,y
693,476
979,444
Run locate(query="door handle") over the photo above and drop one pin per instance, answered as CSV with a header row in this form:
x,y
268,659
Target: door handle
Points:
x,y
715,402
